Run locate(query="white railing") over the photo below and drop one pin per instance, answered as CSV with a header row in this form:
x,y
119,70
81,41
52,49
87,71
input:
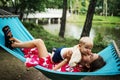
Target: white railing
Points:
x,y
49,13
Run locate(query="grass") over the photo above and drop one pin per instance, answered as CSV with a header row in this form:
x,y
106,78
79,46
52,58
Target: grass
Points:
x,y
50,40
97,20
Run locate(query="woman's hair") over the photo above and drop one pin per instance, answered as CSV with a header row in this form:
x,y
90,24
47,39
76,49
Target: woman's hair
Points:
x,y
97,64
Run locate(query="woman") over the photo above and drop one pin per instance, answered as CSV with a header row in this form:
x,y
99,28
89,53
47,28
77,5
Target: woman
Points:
x,y
45,59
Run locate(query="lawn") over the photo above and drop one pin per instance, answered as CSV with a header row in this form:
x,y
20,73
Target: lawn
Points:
x,y
96,19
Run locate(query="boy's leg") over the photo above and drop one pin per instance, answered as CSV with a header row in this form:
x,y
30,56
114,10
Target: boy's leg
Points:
x,y
42,50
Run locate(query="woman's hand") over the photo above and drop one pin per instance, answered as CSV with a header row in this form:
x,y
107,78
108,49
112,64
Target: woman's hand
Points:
x,y
60,64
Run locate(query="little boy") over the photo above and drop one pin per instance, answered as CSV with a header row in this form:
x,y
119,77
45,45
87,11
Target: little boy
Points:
x,y
79,54
83,48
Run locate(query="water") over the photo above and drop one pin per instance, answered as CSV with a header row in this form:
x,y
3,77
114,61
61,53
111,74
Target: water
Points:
x,y
71,30
74,31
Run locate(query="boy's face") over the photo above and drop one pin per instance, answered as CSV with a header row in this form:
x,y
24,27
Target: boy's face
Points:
x,y
86,48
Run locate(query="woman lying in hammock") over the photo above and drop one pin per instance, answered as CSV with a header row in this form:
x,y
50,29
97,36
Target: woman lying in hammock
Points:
x,y
83,54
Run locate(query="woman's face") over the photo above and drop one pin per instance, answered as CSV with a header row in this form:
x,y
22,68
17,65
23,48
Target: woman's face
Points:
x,y
87,59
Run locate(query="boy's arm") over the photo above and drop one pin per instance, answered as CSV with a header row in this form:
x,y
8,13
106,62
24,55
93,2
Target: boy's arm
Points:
x,y
76,57
60,64
67,52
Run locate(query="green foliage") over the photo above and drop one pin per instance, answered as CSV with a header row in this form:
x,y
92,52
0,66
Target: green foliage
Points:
x,y
113,7
99,43
3,3
83,10
31,5
54,4
83,3
24,6
50,40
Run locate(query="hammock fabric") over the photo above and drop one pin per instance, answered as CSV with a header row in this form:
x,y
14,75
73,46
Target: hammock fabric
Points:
x,y
19,31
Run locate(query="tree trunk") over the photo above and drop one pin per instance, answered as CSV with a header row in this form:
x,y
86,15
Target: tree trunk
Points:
x,y
89,18
21,15
63,20
105,7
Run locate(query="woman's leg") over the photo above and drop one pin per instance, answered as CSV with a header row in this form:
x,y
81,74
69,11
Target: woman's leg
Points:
x,y
42,50
15,40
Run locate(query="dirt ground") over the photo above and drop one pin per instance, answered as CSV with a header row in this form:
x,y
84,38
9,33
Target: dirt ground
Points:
x,y
13,69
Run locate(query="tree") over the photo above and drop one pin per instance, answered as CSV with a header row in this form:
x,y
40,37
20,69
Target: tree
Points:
x,y
114,7
54,4
30,6
105,7
63,19
108,7
25,6
89,18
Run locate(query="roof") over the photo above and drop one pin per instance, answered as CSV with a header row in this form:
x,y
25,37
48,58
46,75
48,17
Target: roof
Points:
x,y
4,13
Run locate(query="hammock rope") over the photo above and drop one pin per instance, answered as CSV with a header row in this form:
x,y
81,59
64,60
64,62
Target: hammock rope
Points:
x,y
110,54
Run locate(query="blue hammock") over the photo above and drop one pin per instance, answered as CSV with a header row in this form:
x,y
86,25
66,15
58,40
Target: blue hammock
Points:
x,y
109,54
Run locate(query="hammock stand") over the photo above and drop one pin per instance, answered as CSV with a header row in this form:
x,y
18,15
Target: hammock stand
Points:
x,y
110,54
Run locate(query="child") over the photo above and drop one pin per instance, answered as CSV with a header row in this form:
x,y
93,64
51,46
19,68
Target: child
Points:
x,y
77,54
43,53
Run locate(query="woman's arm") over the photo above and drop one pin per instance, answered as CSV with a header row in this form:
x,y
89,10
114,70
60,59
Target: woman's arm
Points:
x,y
60,64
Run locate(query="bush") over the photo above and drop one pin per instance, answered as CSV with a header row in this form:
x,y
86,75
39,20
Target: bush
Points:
x,y
99,43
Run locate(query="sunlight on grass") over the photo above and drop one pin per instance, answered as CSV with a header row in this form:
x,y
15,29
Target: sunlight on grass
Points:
x,y
81,18
109,19
97,20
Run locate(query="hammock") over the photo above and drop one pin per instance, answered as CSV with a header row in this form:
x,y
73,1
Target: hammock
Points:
x,y
109,54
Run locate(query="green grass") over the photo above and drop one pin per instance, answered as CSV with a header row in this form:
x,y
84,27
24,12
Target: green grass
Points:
x,y
50,40
97,20
110,19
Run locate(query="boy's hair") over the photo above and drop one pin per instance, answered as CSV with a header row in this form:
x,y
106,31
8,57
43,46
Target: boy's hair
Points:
x,y
84,40
97,64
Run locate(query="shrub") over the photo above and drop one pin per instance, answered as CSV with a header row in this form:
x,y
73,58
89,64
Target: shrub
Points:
x,y
99,43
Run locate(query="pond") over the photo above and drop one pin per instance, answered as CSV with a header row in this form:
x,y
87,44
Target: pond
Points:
x,y
74,31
